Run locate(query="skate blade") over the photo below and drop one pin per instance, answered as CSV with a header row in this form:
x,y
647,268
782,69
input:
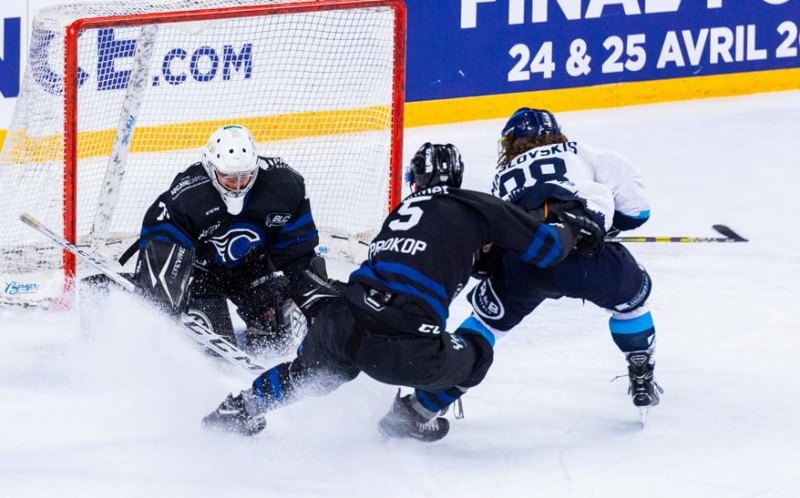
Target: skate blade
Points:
x,y
643,412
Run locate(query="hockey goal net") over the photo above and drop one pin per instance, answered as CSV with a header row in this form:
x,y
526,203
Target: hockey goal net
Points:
x,y
120,96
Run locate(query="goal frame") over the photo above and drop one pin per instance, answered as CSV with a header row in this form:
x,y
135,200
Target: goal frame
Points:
x,y
71,78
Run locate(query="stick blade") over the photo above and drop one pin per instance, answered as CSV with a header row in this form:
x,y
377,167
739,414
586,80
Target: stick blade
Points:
x,y
29,220
729,233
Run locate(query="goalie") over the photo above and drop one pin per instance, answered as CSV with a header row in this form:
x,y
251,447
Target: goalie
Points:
x,y
236,226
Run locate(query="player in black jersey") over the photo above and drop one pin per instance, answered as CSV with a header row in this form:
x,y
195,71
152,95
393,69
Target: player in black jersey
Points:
x,y
390,323
235,226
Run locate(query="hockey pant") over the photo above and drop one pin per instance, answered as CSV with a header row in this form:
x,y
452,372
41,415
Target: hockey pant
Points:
x,y
339,346
612,280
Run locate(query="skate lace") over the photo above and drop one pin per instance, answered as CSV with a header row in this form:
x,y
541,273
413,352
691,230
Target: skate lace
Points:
x,y
458,409
431,425
644,382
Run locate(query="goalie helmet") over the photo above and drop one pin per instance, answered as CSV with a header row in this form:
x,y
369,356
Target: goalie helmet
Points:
x,y
231,161
527,122
435,164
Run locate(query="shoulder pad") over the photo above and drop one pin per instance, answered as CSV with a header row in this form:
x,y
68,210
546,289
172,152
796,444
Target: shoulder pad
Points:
x,y
268,163
193,166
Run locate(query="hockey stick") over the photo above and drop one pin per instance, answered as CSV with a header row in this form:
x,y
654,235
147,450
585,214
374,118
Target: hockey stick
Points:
x,y
199,332
728,236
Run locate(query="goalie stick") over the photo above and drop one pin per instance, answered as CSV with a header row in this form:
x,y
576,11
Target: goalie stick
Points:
x,y
728,236
196,330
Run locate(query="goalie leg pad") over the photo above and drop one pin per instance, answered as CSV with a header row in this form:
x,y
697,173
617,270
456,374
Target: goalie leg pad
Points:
x,y
164,274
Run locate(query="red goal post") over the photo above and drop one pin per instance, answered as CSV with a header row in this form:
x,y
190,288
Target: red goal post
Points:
x,y
319,83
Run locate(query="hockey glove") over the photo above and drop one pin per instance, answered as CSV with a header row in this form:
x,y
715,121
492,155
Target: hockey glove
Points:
x,y
589,237
487,261
260,304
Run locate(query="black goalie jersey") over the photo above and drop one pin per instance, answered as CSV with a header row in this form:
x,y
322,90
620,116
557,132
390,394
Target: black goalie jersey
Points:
x,y
276,218
424,254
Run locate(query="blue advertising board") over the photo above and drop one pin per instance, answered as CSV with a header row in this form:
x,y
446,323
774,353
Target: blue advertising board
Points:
x,y
476,59
468,48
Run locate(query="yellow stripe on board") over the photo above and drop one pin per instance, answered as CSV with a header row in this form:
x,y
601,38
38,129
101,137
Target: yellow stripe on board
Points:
x,y
601,96
375,118
29,149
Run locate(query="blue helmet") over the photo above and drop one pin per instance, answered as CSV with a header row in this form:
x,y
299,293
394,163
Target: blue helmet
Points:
x,y
527,122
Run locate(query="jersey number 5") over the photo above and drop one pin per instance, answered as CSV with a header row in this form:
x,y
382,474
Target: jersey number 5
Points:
x,y
413,213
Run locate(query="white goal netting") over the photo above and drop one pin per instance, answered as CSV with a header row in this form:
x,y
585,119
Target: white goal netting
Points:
x,y
103,123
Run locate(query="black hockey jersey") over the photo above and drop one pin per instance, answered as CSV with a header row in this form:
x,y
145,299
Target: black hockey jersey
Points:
x,y
425,251
276,218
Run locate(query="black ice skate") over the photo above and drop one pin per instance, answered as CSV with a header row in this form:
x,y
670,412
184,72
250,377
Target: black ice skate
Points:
x,y
232,416
403,421
643,387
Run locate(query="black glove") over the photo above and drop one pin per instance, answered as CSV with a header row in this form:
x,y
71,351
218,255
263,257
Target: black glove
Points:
x,y
487,261
312,290
589,237
260,303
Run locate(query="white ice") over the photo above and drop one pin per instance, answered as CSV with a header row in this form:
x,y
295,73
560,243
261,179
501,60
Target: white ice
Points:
x,y
109,406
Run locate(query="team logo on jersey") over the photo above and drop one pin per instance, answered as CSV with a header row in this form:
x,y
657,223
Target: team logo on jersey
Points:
x,y
235,244
278,219
208,231
486,303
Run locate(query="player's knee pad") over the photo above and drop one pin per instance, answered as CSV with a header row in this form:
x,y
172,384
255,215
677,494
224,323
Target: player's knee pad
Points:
x,y
482,339
639,299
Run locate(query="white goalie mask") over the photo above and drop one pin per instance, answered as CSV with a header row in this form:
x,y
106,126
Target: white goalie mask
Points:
x,y
231,161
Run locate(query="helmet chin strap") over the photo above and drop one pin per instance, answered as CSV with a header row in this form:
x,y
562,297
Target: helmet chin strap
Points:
x,y
234,204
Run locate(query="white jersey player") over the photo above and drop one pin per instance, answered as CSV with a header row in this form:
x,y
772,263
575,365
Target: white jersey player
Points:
x,y
544,172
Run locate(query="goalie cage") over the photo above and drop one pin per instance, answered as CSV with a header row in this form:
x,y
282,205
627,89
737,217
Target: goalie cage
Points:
x,y
118,97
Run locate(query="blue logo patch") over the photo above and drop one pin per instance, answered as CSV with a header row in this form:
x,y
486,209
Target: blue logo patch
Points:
x,y
17,288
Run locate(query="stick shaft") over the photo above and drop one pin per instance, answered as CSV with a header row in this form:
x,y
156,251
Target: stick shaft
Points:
x,y
728,235
670,239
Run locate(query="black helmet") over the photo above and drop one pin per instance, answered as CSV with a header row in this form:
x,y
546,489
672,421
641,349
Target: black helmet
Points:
x,y
435,164
526,122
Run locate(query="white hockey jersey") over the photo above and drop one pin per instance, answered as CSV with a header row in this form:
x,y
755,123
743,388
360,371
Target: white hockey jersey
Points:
x,y
609,186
